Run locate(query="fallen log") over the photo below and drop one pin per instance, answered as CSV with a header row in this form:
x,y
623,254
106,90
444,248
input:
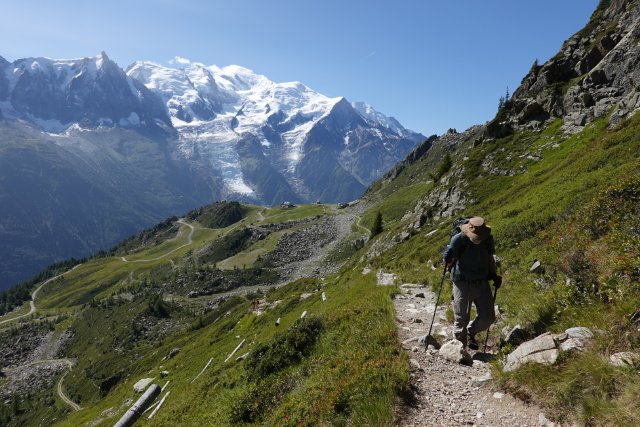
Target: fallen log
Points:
x,y
138,408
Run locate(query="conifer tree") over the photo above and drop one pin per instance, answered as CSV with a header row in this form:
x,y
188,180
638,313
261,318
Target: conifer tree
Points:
x,y
377,225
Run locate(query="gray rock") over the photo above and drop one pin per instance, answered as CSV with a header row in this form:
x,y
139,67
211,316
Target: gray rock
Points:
x,y
481,380
625,359
142,384
572,345
514,336
415,365
579,332
543,421
454,351
408,341
536,267
173,352
542,349
163,374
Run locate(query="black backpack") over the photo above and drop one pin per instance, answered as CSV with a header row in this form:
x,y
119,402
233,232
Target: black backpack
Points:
x,y
456,225
456,228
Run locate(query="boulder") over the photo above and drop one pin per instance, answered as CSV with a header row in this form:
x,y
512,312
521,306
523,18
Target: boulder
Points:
x,y
579,332
163,374
514,336
572,345
536,267
542,349
546,348
625,359
173,352
454,351
141,385
481,380
385,279
574,339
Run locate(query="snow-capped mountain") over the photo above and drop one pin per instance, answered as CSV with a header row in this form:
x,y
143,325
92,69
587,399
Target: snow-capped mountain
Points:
x,y
274,141
55,94
90,153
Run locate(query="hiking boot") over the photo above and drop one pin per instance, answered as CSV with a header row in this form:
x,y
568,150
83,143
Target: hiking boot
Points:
x,y
473,344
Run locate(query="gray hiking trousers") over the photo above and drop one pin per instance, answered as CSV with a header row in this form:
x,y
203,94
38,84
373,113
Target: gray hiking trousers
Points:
x,y
464,293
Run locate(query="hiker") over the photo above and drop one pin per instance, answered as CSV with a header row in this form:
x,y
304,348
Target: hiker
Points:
x,y
469,257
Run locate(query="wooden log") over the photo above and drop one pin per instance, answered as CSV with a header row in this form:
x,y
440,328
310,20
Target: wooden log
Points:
x,y
234,351
159,405
203,369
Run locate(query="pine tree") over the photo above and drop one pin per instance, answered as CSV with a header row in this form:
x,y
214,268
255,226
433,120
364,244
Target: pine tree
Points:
x,y
377,225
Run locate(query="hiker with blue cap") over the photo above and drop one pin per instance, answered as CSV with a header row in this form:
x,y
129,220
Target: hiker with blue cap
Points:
x,y
470,258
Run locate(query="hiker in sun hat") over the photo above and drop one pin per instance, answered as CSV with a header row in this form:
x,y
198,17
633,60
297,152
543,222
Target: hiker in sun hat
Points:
x,y
469,256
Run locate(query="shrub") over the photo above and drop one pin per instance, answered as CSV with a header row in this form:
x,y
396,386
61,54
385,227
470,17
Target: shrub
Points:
x,y
285,349
376,228
260,398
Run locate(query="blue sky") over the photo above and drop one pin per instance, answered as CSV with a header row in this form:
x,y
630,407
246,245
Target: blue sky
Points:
x,y
431,64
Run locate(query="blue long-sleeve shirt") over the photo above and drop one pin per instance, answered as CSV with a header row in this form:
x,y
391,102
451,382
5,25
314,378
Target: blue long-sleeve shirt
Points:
x,y
473,262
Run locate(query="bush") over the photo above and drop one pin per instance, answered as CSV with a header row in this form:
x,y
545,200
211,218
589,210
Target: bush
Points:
x,y
260,398
157,307
285,349
376,228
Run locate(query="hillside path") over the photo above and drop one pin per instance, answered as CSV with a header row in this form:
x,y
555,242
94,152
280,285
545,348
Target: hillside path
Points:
x,y
32,303
59,390
448,393
189,242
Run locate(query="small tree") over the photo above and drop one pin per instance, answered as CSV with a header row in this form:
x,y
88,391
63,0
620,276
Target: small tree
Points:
x,y
376,228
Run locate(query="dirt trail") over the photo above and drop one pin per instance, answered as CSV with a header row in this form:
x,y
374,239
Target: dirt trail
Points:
x,y
34,294
66,400
447,393
189,242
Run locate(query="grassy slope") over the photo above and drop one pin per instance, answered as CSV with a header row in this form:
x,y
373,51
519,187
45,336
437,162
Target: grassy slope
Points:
x,y
577,201
576,209
347,375
354,371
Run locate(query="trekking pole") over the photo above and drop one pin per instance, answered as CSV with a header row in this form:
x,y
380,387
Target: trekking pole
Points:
x,y
486,339
435,309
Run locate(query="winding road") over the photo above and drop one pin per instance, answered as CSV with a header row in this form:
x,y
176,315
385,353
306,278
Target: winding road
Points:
x,y
32,303
69,364
189,242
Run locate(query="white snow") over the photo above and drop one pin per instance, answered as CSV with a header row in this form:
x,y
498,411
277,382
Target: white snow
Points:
x,y
238,185
51,126
132,120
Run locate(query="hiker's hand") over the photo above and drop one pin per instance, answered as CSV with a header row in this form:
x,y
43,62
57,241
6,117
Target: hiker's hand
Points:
x,y
448,264
497,281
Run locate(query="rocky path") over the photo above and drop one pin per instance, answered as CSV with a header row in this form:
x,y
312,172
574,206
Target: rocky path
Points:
x,y
448,393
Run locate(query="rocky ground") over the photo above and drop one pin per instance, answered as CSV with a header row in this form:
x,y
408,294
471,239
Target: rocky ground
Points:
x,y
304,253
448,393
31,359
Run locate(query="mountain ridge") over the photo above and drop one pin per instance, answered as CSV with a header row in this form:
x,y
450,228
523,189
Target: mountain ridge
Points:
x,y
325,349
218,133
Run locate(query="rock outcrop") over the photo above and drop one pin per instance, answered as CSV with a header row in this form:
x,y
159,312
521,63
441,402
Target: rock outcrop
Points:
x,y
546,348
595,73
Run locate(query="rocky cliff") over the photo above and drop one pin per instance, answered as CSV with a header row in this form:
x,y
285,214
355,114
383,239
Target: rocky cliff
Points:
x,y
595,73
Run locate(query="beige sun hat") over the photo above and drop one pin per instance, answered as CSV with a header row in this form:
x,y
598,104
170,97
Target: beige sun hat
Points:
x,y
476,230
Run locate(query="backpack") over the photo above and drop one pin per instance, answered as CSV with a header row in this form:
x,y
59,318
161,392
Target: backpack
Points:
x,y
456,225
456,228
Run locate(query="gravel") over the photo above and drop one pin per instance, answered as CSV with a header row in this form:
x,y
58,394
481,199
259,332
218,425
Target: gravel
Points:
x,y
447,393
